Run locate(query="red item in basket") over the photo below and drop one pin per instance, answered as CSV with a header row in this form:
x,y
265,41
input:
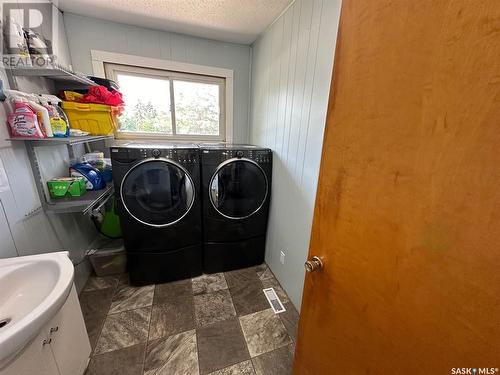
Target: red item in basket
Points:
x,y
101,95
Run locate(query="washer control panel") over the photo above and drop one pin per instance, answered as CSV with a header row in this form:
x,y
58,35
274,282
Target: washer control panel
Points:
x,y
184,156
264,156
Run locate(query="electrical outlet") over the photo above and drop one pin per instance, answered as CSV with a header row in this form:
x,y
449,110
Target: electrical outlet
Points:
x,y
282,257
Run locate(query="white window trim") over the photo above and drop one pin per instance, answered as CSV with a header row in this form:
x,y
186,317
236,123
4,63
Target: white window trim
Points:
x,y
99,58
113,69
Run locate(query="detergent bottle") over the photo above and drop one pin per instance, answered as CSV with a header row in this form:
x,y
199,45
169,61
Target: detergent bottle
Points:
x,y
54,102
93,177
60,128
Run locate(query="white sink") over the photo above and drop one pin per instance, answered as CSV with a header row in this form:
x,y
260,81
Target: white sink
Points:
x,y
32,291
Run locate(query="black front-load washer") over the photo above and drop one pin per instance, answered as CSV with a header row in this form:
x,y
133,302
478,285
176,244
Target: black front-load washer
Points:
x,y
158,191
236,188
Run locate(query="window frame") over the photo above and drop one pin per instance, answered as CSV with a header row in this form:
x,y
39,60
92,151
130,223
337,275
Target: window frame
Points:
x,y
99,57
112,69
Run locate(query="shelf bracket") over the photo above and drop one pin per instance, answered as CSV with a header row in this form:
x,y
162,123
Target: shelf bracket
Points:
x,y
35,168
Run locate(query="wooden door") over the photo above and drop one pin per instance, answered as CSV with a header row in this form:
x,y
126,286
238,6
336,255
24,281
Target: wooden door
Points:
x,y
407,217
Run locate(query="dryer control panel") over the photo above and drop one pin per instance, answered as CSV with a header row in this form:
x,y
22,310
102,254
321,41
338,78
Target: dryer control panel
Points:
x,y
183,156
263,156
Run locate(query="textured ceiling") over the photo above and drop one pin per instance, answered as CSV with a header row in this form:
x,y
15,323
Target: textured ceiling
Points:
x,y
237,21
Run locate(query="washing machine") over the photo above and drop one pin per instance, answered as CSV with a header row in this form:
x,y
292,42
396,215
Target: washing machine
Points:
x,y
158,192
236,191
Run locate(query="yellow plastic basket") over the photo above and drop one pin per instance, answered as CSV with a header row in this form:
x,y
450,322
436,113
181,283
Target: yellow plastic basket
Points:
x,y
97,119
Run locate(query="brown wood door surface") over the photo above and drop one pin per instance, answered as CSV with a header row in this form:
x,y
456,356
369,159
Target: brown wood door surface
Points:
x,y
407,216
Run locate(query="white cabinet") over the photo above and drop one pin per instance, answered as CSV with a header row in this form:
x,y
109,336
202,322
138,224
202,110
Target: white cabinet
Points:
x,y
61,348
70,343
36,359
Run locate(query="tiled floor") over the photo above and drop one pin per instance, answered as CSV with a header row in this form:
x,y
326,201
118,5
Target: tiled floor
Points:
x,y
218,324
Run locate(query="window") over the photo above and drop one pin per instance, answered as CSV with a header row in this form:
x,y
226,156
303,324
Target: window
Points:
x,y
169,104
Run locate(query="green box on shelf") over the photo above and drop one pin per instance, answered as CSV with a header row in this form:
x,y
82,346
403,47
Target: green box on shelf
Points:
x,y
64,187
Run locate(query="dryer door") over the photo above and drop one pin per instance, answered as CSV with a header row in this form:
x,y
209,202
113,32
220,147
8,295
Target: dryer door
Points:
x,y
238,188
157,192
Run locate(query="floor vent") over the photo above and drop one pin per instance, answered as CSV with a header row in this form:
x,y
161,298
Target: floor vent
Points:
x,y
274,300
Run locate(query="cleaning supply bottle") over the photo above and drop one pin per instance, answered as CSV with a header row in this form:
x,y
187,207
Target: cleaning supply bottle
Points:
x,y
43,114
59,127
55,101
23,121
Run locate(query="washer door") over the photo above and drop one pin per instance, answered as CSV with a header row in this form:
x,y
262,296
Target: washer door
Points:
x,y
157,192
238,188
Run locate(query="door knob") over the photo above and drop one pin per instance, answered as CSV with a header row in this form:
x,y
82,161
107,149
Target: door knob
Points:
x,y
314,264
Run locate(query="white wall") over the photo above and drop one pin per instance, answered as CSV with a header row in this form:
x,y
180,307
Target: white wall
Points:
x,y
86,34
291,72
24,228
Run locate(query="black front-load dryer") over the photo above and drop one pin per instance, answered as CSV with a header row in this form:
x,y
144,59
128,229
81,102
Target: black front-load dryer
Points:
x,y
158,191
236,190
